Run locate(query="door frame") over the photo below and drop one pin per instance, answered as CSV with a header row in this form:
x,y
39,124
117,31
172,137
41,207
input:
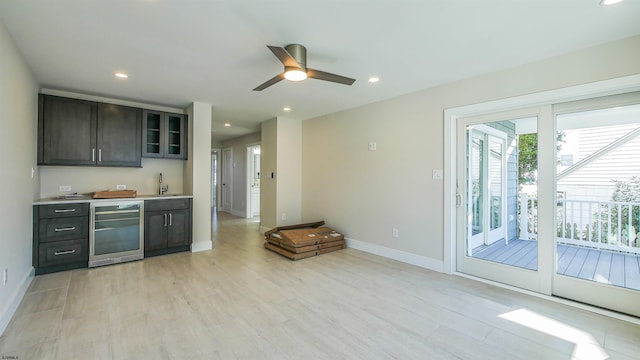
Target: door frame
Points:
x,y
488,132
546,185
249,175
227,169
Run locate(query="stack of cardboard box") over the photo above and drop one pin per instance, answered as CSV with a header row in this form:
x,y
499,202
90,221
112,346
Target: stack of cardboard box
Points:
x,y
302,241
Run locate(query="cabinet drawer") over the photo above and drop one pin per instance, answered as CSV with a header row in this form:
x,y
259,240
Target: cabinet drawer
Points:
x,y
63,252
63,210
50,230
170,204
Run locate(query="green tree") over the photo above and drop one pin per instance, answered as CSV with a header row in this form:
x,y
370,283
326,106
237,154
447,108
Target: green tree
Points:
x,y
528,156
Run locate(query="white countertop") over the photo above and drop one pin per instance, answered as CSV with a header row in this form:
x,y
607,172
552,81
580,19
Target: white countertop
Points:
x,y
89,199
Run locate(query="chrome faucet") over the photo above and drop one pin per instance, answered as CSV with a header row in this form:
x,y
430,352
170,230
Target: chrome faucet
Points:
x,y
163,189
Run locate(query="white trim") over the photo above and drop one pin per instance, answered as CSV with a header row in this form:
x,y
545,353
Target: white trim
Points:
x,y
399,255
18,295
201,246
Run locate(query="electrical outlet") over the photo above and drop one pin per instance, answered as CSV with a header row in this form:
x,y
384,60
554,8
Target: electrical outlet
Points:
x,y
5,276
394,232
284,216
64,188
121,187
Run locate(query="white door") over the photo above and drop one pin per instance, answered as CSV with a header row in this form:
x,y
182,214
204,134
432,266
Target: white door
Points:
x,y
227,179
253,181
487,161
488,243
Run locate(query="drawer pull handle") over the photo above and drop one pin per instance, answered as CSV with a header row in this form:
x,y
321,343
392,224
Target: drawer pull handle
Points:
x,y
65,229
170,219
64,252
57,211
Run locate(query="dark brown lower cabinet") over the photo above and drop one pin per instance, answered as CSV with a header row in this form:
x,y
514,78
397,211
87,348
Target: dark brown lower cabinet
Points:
x,y
167,226
60,237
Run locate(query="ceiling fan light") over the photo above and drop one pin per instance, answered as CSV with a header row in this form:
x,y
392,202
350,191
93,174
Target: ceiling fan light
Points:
x,y
295,74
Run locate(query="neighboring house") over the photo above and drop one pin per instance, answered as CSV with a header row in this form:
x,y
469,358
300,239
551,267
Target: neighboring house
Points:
x,y
591,158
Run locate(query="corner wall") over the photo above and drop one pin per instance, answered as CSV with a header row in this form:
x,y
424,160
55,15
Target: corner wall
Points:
x,y
18,120
280,193
197,174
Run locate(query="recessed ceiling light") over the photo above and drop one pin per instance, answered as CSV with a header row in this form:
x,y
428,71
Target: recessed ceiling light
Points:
x,y
374,79
227,125
286,108
121,75
609,2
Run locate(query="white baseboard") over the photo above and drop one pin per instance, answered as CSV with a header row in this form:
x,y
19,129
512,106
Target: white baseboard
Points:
x,y
15,299
399,255
201,246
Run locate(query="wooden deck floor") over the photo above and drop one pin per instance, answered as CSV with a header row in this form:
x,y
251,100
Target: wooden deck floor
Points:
x,y
597,265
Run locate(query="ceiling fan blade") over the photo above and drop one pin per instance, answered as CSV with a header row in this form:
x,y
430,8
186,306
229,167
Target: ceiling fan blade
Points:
x,y
283,55
269,82
322,75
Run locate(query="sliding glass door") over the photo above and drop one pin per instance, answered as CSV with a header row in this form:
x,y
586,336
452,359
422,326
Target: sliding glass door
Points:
x,y
489,241
549,200
598,203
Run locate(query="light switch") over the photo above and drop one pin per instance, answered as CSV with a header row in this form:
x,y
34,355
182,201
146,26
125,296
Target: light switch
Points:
x,y
437,174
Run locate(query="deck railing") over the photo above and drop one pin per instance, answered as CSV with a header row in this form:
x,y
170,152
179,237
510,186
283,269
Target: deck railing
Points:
x,y
610,225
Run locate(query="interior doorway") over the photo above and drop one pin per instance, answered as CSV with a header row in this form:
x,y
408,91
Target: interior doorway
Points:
x,y
227,179
253,182
214,179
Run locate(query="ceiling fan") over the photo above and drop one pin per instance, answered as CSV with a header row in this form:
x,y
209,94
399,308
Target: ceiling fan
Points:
x,y
294,59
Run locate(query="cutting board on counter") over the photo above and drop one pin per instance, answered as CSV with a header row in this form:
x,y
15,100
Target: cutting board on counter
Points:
x,y
115,194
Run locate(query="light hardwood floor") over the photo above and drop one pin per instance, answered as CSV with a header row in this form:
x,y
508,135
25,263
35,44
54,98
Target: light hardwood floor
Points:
x,y
240,301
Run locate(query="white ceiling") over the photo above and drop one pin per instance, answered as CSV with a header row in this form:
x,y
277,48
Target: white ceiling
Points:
x,y
214,51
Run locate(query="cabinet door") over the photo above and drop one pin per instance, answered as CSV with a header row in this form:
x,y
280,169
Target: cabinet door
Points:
x,y
153,134
155,230
176,147
119,139
177,231
67,131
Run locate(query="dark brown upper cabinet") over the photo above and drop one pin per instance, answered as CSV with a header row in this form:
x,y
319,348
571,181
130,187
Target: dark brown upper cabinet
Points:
x,y
164,135
80,132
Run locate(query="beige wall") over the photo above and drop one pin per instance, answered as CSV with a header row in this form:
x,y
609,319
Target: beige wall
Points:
x,y
197,174
239,186
366,193
280,196
18,119
269,164
289,172
85,179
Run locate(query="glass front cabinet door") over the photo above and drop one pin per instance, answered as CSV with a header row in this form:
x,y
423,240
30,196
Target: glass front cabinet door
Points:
x,y
164,135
